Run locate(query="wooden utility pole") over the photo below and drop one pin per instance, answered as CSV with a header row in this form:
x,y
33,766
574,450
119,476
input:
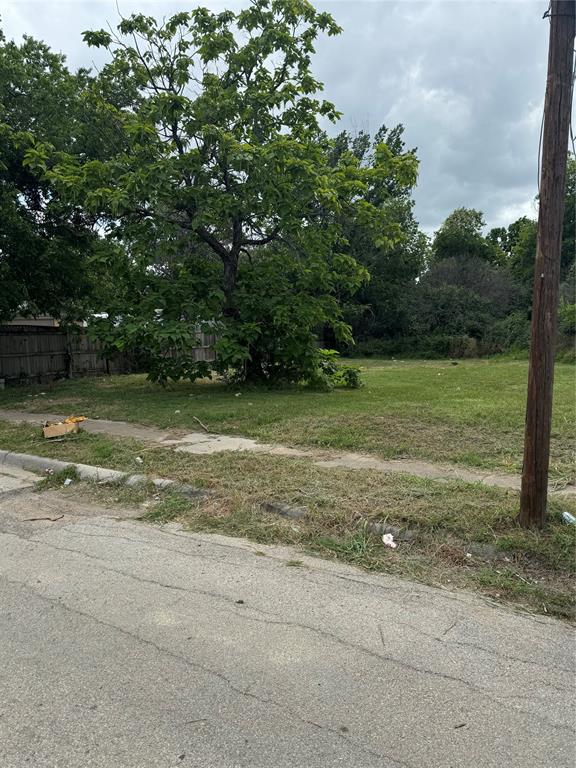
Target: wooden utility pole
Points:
x,y
557,109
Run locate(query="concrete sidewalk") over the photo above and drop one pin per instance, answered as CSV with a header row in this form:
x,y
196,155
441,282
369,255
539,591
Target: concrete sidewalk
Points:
x,y
207,443
13,479
124,645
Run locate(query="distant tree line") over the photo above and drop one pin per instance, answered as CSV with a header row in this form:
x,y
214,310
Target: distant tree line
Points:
x,y
461,293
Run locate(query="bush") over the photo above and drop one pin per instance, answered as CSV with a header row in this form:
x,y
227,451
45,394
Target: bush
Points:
x,y
509,333
445,345
162,348
464,346
329,373
349,376
381,347
567,318
281,302
429,347
566,349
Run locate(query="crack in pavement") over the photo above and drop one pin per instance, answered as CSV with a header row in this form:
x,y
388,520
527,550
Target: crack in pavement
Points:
x,y
489,651
232,600
208,670
486,693
144,541
142,579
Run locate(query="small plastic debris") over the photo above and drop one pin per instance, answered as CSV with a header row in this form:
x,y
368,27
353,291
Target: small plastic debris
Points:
x,y
67,482
468,555
388,541
49,471
237,394
568,518
178,411
139,460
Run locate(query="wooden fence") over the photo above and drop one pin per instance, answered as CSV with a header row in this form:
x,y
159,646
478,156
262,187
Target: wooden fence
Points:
x,y
40,354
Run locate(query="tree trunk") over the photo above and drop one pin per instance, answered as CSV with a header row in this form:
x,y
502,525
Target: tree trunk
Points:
x,y
229,286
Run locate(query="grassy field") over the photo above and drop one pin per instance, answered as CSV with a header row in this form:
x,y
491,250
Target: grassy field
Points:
x,y
470,414
462,535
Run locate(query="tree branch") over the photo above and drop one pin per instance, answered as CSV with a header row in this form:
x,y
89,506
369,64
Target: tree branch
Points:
x,y
263,240
213,242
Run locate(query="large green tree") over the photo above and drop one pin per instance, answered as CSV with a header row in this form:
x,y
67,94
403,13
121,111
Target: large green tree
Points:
x,y
221,175
381,308
463,297
42,240
49,246
461,237
468,286
518,240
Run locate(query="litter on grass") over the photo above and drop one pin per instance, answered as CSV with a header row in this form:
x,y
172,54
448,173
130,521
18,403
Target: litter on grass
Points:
x,y
388,541
59,428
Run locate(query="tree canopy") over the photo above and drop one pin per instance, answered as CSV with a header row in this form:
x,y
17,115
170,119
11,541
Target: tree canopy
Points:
x,y
222,171
460,237
44,240
381,306
192,184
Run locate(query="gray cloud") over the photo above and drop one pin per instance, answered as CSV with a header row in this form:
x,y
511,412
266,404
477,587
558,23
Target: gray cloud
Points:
x,y
466,79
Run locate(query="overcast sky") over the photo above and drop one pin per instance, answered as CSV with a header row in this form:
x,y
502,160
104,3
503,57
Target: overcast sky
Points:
x,y
466,78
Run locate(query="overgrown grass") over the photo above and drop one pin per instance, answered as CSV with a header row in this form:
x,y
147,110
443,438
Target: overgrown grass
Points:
x,y
471,413
446,518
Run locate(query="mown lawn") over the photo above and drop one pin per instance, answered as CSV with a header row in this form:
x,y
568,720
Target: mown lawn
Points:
x,y
471,413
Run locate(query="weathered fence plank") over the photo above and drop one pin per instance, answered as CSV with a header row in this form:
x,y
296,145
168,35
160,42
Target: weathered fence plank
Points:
x,y
40,354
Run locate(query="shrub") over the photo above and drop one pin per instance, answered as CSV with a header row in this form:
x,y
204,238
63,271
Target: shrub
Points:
x,y
329,373
381,347
511,332
567,318
349,376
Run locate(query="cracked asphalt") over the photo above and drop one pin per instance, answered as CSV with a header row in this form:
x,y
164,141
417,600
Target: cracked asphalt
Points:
x,y
125,645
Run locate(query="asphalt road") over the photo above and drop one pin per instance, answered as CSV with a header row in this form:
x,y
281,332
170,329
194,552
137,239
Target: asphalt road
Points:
x,y
124,645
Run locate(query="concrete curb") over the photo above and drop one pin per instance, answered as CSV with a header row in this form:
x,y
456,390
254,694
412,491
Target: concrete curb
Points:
x,y
97,474
284,510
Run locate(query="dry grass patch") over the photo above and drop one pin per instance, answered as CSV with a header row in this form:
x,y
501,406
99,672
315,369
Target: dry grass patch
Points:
x,y
448,519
